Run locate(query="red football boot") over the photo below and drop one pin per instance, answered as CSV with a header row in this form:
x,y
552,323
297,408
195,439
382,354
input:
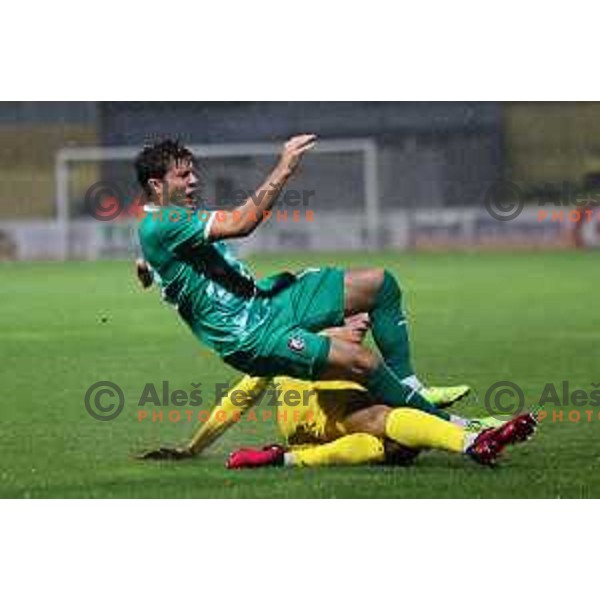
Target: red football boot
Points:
x,y
254,458
489,444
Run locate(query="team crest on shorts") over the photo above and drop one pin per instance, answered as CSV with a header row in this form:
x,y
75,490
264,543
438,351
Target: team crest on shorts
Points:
x,y
296,344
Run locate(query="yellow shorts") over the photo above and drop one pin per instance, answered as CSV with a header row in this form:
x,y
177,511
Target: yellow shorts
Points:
x,y
313,412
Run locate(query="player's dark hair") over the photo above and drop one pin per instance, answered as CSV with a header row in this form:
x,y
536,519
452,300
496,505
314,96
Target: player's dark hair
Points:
x,y
154,161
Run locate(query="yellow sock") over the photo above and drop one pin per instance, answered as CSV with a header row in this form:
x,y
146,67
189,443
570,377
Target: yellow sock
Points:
x,y
228,411
355,449
418,430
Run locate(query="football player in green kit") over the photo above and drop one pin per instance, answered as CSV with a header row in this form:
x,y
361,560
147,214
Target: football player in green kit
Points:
x,y
269,327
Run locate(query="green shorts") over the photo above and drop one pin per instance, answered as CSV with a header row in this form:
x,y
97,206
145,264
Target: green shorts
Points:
x,y
290,344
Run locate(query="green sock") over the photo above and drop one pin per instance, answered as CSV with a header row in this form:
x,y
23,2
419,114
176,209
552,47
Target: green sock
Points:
x,y
384,384
390,327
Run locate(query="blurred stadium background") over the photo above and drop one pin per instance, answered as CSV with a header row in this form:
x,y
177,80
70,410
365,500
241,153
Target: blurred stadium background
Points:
x,y
391,175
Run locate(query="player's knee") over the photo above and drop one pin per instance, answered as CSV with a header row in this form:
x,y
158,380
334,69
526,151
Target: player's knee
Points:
x,y
376,277
378,273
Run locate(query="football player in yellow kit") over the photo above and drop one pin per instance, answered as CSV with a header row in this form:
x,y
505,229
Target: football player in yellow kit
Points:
x,y
339,423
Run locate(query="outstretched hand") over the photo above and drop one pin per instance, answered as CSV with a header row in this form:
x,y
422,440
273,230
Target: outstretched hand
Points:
x,y
295,148
166,454
143,272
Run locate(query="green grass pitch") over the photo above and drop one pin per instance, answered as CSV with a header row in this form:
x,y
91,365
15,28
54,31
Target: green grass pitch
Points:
x,y
529,317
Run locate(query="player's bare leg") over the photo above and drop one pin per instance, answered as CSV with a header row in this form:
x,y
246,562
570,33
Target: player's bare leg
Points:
x,y
377,292
360,289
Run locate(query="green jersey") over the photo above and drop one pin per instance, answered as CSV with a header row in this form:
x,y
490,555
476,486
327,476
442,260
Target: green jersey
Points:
x,y
213,291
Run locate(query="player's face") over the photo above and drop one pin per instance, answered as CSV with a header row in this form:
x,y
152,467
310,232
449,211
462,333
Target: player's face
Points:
x,y
180,184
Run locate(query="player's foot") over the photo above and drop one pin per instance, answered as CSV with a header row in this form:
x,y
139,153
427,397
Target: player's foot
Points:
x,y
253,458
490,444
165,454
443,397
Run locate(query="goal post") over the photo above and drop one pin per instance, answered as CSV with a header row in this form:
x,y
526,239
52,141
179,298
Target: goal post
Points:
x,y
342,174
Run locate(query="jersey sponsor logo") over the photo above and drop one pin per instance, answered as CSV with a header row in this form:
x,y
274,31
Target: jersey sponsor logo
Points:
x,y
296,344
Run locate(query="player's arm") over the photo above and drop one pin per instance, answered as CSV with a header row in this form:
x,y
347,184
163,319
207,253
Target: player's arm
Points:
x,y
191,231
244,220
228,412
225,413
